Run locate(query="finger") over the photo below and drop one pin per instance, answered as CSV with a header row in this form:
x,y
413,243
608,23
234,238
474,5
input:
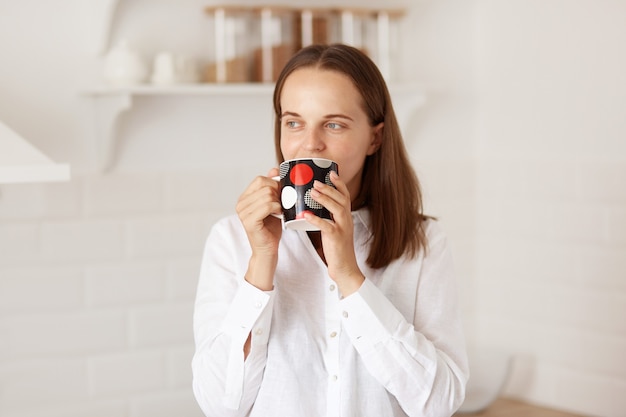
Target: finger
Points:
x,y
261,192
324,225
263,197
259,206
273,172
339,184
331,198
260,183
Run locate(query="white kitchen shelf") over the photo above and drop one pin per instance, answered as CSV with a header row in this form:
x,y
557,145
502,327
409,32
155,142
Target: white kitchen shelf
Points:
x,y
246,89
21,162
111,102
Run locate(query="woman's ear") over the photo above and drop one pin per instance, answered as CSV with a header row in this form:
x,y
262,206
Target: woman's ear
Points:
x,y
377,138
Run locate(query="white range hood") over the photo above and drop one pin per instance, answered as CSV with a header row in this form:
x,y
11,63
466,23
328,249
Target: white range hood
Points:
x,y
21,162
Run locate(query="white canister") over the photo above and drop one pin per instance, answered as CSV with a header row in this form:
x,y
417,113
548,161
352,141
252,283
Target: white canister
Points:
x,y
123,66
171,69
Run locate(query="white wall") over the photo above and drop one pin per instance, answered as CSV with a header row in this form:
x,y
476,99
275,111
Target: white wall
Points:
x,y
525,141
520,148
551,198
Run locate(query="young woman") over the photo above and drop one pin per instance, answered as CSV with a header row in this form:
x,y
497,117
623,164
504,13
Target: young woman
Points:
x,y
358,319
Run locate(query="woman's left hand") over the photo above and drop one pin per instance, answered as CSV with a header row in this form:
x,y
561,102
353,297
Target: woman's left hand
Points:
x,y
337,235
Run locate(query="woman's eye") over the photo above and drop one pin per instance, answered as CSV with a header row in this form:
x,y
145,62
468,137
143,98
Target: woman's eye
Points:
x,y
333,126
291,124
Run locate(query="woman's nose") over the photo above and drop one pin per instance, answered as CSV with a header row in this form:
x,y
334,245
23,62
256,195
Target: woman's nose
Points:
x,y
313,141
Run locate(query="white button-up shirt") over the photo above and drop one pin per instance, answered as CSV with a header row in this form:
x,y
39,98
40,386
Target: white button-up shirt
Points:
x,y
393,348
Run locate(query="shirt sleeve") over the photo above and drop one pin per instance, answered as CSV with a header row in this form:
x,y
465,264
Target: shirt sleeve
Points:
x,y
227,310
421,362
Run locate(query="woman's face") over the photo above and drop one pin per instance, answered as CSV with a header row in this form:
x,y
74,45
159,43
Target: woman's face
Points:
x,y
323,117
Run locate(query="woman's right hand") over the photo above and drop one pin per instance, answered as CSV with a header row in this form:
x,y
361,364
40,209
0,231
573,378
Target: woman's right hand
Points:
x,y
255,208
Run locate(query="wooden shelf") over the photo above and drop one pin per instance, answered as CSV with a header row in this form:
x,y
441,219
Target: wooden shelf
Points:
x,y
514,408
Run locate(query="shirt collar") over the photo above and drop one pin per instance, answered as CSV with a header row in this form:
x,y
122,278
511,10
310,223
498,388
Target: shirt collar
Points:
x,y
362,216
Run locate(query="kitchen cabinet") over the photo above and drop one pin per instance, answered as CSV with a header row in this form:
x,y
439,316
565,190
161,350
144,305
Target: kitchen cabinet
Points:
x,y
21,162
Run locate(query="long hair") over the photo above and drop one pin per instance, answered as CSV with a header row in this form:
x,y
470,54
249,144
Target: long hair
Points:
x,y
389,188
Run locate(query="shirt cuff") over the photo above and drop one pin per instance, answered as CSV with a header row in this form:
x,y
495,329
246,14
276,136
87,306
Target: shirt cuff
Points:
x,y
369,317
249,307
247,310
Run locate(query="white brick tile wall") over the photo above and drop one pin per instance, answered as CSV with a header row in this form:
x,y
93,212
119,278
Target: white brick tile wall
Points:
x,y
602,181
178,366
527,219
587,393
173,403
55,334
530,379
551,263
162,325
617,403
91,408
64,199
593,310
19,243
611,362
52,200
577,392
182,278
617,225
501,177
196,191
126,373
549,283
23,201
506,260
123,194
41,288
124,284
602,268
153,236
549,179
82,240
520,337
560,345
99,271
54,382
582,224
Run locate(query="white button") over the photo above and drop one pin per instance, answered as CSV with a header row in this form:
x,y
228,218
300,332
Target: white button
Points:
x,y
258,332
334,378
345,314
333,334
332,287
258,304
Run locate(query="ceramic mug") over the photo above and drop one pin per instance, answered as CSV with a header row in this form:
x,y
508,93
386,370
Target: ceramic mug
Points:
x,y
164,69
296,182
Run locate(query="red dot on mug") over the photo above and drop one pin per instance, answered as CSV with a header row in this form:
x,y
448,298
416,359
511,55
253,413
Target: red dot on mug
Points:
x,y
302,213
301,174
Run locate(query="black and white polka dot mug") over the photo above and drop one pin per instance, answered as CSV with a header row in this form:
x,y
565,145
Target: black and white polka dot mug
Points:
x,y
296,182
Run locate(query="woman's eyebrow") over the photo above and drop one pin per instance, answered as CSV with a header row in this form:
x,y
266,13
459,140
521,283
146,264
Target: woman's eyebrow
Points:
x,y
338,116
328,116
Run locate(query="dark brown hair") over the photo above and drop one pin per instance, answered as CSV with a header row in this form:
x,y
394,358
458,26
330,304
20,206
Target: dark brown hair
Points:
x,y
390,188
